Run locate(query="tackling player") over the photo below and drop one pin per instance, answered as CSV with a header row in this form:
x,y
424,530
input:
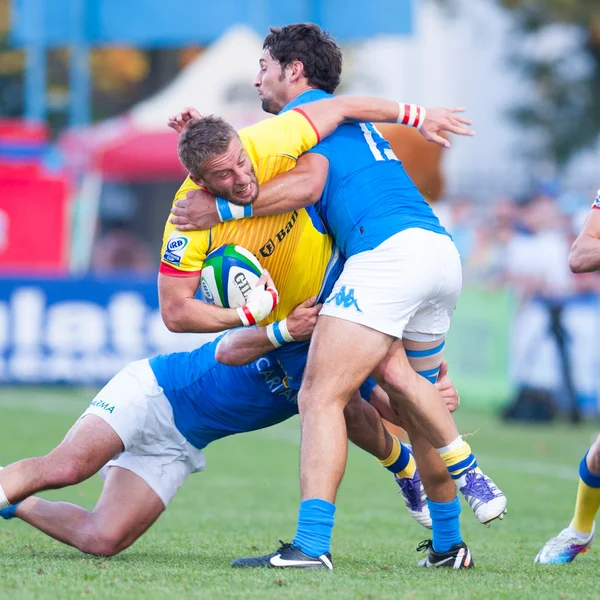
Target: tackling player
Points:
x,y
146,429
383,226
577,538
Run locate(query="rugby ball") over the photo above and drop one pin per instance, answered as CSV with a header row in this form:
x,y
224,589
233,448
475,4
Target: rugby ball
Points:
x,y
228,275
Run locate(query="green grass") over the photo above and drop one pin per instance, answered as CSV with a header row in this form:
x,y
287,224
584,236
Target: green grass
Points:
x,y
247,499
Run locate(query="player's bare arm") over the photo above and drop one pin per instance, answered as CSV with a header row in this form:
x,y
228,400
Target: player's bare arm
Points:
x,y
243,346
585,252
326,115
183,313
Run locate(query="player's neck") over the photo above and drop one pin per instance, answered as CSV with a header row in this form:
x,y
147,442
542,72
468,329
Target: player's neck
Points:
x,y
301,89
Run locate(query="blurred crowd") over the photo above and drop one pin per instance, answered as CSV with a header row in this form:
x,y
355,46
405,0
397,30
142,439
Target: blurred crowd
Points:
x,y
520,242
520,247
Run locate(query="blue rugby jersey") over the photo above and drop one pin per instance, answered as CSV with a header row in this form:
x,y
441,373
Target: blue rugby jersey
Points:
x,y
211,400
368,196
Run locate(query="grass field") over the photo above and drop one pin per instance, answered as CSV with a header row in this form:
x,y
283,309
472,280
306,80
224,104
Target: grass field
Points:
x,y
247,499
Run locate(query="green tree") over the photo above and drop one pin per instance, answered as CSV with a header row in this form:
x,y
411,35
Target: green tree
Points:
x,y
566,103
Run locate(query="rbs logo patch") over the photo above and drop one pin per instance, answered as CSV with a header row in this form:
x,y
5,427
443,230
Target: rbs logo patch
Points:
x,y
175,248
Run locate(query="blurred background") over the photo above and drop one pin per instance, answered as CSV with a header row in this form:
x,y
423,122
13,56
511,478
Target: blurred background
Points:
x,y
88,170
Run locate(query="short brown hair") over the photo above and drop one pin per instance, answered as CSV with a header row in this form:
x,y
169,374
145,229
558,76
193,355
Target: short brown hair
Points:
x,y
203,139
313,47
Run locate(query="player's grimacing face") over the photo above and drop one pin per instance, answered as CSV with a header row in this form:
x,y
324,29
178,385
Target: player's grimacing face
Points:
x,y
231,175
271,84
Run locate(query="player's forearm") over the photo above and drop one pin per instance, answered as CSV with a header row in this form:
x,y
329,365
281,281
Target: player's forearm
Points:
x,y
585,254
328,114
286,193
243,346
195,316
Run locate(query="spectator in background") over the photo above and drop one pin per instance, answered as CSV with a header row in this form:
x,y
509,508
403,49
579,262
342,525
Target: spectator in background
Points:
x,y
537,267
119,249
486,264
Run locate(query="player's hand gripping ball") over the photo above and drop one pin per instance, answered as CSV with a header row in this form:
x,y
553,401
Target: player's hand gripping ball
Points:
x,y
229,277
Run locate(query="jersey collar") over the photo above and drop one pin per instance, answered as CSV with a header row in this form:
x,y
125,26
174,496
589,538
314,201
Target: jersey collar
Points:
x,y
305,98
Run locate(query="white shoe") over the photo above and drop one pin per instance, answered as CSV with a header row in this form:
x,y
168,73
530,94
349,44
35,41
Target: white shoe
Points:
x,y
483,496
563,548
415,498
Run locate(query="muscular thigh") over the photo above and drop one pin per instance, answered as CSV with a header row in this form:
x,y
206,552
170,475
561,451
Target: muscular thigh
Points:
x,y
342,355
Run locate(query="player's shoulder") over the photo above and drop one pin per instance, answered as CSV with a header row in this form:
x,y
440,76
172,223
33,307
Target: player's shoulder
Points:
x,y
185,187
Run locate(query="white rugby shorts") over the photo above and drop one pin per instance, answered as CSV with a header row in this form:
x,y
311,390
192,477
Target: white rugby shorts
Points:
x,y
134,405
407,287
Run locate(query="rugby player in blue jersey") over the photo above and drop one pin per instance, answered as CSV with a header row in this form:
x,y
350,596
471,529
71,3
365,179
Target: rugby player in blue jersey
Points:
x,y
390,309
145,431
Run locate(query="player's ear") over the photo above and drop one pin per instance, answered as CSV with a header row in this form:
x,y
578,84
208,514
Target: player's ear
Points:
x,y
197,180
296,70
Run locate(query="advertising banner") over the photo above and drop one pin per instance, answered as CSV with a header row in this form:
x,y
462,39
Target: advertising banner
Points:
x,y
80,331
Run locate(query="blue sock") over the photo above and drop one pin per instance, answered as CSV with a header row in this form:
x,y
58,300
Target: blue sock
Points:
x,y
315,522
8,512
445,523
589,478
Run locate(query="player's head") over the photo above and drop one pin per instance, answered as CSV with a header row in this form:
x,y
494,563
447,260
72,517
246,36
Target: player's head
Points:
x,y
296,58
211,150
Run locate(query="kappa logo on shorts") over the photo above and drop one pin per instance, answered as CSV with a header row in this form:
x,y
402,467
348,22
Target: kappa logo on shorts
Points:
x,y
103,405
344,299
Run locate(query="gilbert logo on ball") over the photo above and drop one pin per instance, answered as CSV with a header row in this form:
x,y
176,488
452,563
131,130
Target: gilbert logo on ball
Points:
x,y
228,275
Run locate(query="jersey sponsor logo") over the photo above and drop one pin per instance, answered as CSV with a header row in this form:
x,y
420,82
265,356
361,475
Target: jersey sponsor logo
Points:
x,y
176,245
103,405
277,385
345,299
271,244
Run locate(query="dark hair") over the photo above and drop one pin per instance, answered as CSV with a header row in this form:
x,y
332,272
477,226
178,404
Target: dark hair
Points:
x,y
203,139
313,47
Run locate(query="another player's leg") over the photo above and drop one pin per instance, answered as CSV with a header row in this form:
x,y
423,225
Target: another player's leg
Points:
x,y
447,548
366,430
337,365
577,538
88,446
420,398
127,507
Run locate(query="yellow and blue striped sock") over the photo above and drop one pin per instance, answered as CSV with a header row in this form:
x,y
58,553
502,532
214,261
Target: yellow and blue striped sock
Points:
x,y
588,499
458,458
400,461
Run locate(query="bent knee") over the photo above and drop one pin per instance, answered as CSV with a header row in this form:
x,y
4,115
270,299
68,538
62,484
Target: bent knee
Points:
x,y
398,378
593,457
102,543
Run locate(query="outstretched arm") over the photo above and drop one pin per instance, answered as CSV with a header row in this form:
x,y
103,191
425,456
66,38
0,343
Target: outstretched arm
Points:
x,y
304,184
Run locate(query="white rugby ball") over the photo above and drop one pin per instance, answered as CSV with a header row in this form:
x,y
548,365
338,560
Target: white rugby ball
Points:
x,y
228,275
